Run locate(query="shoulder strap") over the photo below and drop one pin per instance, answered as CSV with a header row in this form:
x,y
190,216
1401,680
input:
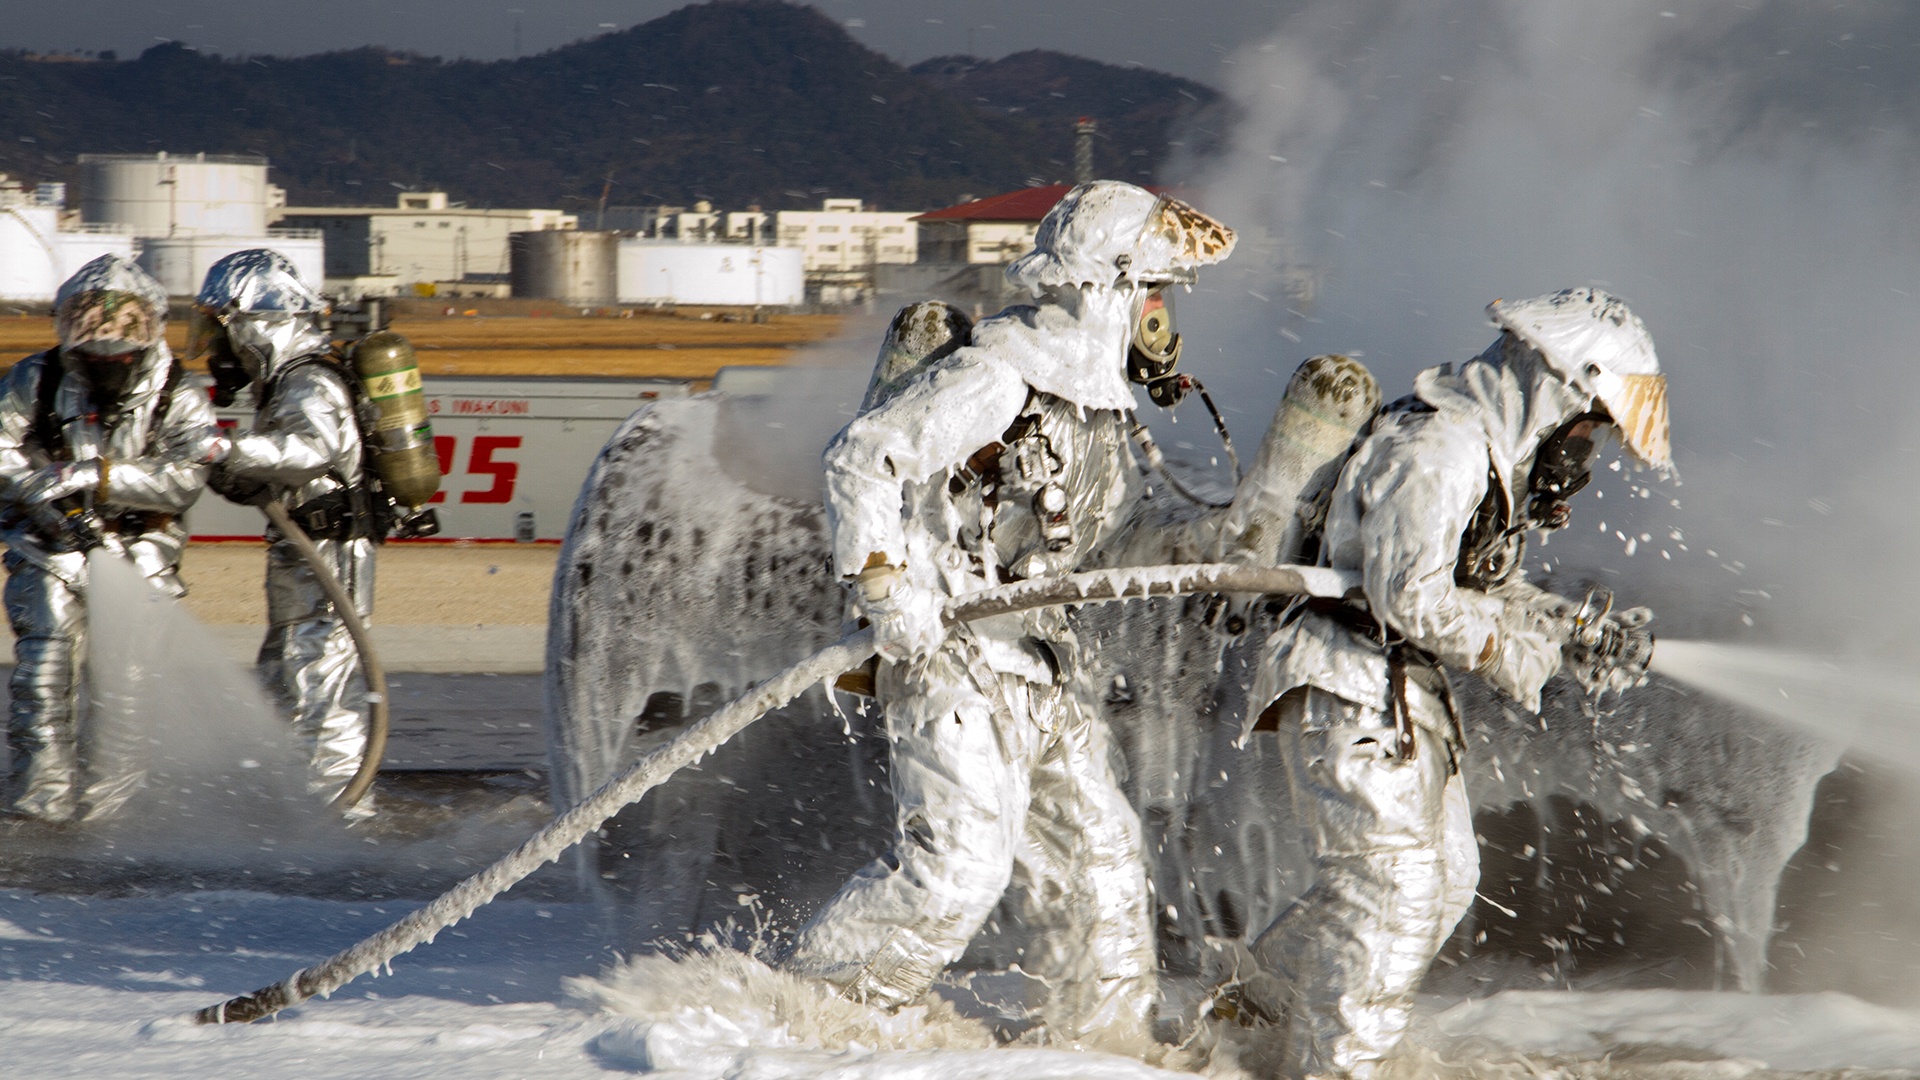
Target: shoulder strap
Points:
x,y
45,429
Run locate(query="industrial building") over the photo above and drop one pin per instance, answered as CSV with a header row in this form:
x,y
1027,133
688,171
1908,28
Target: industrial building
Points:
x,y
422,240
843,243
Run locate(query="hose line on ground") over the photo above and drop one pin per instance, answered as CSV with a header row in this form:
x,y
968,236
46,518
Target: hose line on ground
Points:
x,y
376,673
706,735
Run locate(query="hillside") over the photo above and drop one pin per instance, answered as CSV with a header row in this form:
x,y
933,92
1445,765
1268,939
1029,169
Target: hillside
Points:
x,y
737,101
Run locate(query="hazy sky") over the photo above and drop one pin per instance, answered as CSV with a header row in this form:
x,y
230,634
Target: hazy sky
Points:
x,y
1192,39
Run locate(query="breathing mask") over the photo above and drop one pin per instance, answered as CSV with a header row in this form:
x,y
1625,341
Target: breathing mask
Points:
x,y
1561,467
208,337
1154,352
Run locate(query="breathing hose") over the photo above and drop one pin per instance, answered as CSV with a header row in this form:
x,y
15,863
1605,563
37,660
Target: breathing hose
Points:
x,y
376,673
706,735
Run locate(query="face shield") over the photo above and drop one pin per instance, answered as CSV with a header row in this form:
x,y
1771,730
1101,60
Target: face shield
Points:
x,y
105,334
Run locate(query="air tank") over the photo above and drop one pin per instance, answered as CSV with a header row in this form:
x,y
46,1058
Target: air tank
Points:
x,y
1329,402
175,194
402,436
564,264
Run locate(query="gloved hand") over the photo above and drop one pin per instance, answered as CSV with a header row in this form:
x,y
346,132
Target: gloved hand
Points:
x,y
904,617
57,481
233,487
209,447
1613,654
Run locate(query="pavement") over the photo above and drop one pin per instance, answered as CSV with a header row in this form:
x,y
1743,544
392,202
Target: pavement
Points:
x,y
459,608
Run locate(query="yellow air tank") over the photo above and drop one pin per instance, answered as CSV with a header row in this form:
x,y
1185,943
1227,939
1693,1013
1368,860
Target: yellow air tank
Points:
x,y
402,435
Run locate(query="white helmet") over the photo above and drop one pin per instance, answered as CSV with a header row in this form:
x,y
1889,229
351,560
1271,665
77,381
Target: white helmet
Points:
x,y
1590,339
1105,232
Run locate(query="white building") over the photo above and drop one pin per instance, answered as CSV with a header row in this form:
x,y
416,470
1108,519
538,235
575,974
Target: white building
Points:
x,y
423,238
842,242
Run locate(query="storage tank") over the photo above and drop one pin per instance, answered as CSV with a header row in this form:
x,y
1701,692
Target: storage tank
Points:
x,y
176,195
180,263
720,274
36,255
30,257
563,264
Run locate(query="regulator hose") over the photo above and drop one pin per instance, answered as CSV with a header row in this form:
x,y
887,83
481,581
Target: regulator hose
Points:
x,y
706,735
376,673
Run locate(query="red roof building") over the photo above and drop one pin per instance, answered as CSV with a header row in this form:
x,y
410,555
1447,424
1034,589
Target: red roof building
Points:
x,y
995,230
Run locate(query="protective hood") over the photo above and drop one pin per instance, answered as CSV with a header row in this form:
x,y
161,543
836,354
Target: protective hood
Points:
x,y
1512,394
110,307
1108,233
269,314
1603,350
1073,344
1098,253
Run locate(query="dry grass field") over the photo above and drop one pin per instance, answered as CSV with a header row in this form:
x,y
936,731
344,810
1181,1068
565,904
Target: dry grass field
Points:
x,y
645,345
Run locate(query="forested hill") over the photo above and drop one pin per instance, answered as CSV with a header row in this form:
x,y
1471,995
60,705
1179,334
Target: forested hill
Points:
x,y
737,101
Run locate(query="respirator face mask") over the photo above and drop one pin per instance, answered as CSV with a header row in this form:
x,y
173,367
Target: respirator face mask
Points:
x,y
1562,466
1154,352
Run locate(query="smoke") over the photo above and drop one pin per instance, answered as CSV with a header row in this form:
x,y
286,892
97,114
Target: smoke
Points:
x,y
1735,175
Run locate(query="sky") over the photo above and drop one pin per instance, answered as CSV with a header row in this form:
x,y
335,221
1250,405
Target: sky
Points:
x,y
1195,40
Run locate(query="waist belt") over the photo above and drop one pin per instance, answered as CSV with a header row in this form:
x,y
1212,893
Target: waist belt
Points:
x,y
1401,654
135,522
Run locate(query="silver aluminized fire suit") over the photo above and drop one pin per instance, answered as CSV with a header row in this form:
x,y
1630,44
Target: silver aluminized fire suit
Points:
x,y
138,457
1430,510
1007,459
305,445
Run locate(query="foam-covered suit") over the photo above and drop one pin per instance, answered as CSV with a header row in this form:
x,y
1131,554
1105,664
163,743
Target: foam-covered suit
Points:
x,y
1003,460
118,429
1431,510
305,445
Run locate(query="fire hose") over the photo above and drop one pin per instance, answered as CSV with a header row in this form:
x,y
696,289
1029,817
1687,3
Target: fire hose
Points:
x,y
376,673
708,734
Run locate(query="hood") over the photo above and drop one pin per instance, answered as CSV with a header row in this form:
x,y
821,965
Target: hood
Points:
x,y
1601,349
110,306
1098,253
1512,395
1073,344
1107,233
271,315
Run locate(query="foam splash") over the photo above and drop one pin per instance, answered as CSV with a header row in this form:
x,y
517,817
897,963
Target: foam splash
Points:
x,y
714,1011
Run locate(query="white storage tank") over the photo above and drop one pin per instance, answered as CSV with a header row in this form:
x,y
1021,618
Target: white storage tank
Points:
x,y
719,274
176,194
180,263
30,256
36,256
